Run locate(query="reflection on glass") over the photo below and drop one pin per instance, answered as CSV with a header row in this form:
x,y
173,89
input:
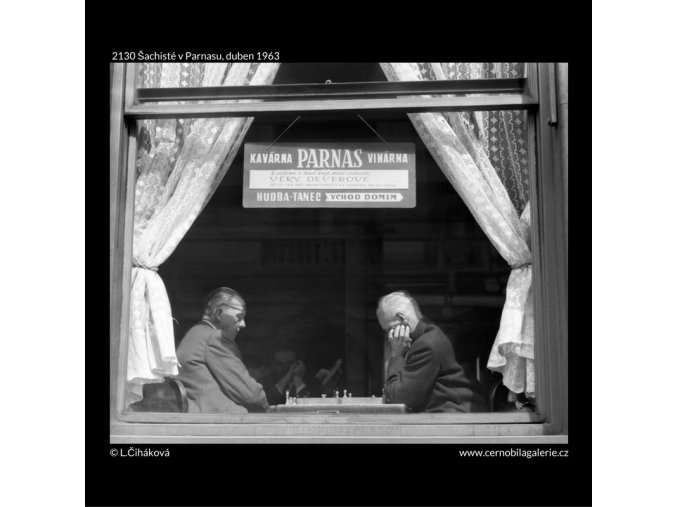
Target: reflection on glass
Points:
x,y
311,277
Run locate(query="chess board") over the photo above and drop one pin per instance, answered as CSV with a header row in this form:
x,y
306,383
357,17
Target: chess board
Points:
x,y
329,405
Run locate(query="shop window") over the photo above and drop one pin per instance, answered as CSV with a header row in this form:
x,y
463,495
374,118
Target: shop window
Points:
x,y
311,276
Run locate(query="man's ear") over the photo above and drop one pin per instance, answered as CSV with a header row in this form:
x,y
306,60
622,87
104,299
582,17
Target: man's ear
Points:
x,y
400,316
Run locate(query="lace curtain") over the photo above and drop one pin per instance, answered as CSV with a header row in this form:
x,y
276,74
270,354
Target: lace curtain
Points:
x,y
180,163
480,155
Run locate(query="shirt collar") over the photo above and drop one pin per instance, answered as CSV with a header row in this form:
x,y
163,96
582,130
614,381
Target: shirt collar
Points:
x,y
231,341
420,328
205,321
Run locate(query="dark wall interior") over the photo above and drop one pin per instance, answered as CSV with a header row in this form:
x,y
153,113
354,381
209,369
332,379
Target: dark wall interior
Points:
x,y
312,276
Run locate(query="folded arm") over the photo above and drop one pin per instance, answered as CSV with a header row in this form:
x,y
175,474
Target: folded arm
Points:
x,y
234,379
410,381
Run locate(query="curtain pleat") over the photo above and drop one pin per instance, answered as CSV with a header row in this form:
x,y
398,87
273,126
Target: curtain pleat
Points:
x,y
461,144
180,164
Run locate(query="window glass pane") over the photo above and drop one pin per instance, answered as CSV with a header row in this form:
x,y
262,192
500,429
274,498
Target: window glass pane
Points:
x,y
311,277
192,75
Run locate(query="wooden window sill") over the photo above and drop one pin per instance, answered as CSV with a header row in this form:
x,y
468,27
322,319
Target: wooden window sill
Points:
x,y
512,428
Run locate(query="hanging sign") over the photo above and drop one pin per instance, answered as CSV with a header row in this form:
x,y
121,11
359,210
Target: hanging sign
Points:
x,y
329,175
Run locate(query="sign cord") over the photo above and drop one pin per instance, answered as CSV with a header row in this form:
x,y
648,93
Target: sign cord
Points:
x,y
374,131
285,130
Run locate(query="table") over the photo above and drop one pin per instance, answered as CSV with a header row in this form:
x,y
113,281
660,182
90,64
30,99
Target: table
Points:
x,y
341,406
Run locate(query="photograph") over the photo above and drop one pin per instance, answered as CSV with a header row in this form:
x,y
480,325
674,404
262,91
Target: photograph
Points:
x,y
306,254
337,252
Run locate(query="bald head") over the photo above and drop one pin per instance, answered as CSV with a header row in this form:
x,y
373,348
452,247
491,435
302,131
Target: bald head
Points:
x,y
397,302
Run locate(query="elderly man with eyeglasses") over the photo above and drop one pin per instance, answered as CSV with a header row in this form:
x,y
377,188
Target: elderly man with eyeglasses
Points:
x,y
211,367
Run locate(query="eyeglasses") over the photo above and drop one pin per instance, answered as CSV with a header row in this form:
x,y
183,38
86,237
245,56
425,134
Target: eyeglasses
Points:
x,y
240,317
234,307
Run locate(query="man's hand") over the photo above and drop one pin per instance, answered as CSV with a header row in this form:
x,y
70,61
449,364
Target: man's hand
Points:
x,y
298,369
399,340
294,374
326,376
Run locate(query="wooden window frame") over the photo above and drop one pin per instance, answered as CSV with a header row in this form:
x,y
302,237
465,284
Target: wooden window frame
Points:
x,y
548,201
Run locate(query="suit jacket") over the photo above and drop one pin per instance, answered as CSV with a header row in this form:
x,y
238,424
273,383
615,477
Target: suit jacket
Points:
x,y
429,378
214,375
